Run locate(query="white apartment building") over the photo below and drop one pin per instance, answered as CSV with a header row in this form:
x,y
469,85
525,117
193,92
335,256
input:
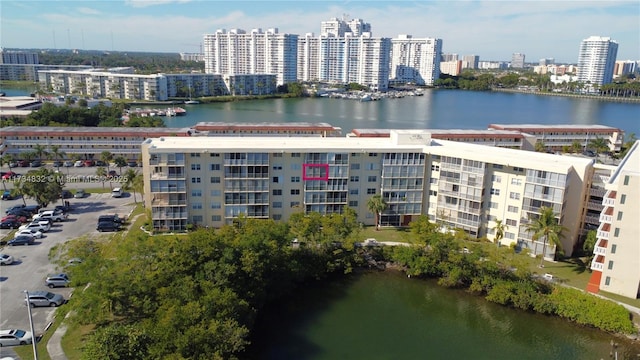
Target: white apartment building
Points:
x,y
214,180
555,137
240,53
517,60
18,57
340,27
470,61
596,60
616,261
198,57
362,59
624,67
415,60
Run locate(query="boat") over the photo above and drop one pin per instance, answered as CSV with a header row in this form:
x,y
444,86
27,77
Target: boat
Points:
x,y
192,102
365,97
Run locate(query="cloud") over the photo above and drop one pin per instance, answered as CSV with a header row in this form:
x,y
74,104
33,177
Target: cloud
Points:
x,y
147,3
88,11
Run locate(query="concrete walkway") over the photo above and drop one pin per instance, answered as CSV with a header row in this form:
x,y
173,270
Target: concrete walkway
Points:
x,y
54,346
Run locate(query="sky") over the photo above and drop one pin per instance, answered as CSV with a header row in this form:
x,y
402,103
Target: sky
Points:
x,y
494,30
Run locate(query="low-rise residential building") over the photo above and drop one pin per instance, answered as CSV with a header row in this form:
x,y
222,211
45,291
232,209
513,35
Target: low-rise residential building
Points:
x,y
616,256
555,137
212,181
265,129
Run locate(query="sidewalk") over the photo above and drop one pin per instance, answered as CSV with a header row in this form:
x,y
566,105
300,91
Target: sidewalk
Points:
x,y
54,346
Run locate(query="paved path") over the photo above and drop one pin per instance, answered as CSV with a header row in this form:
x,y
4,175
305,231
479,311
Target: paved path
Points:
x,y
54,346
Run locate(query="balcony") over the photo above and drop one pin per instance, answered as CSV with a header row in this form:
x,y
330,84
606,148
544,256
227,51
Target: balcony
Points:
x,y
597,191
164,176
597,263
607,215
596,206
609,198
165,202
592,219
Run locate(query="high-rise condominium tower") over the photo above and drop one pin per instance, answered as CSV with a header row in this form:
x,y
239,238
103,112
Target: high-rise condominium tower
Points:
x,y
596,60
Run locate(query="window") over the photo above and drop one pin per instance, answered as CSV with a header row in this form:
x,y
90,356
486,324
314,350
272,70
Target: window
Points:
x,y
296,166
216,218
276,179
623,198
514,195
607,280
277,167
296,155
510,235
195,180
195,167
214,155
626,179
277,154
371,166
277,217
214,167
518,169
619,217
515,181
355,166
493,205
194,155
294,203
616,232
354,178
353,192
197,218
513,209
216,205
196,193
496,178
373,154
610,265
495,191
497,166
613,248
372,178
433,193
353,203
295,179
196,206
216,193
215,179
511,222
371,191
277,205
295,191
435,167
277,192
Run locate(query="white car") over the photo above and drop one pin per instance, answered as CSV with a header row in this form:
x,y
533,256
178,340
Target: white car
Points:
x,y
33,232
15,337
51,215
6,259
34,226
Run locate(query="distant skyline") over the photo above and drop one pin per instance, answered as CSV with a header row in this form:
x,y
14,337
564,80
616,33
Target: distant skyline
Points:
x,y
494,30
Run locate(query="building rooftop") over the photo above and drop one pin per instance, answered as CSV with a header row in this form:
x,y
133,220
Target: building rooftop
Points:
x,y
88,131
208,126
438,133
19,103
561,127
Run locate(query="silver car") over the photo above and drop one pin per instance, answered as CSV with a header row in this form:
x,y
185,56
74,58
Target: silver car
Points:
x,y
57,280
45,298
15,337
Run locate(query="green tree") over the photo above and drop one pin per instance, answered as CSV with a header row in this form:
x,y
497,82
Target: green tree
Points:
x,y
6,159
29,155
540,147
545,226
133,181
42,185
499,228
101,173
599,145
376,205
117,341
57,154
106,156
40,151
590,244
576,147
120,162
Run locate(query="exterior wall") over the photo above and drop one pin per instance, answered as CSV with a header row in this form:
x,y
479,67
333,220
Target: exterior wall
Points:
x,y
18,57
617,251
596,60
254,84
517,61
452,68
29,72
415,60
455,184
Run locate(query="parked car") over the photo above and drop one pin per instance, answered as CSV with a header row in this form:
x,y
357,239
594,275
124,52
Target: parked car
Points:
x,y
108,226
66,194
6,195
112,218
64,208
6,259
89,163
68,164
15,207
79,163
80,193
13,163
116,193
21,240
15,337
52,215
132,164
57,163
112,173
45,298
100,163
10,224
35,233
33,209
35,163
9,175
19,218
23,163
57,280
39,226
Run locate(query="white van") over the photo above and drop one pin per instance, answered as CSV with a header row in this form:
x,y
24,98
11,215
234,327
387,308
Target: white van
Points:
x,y
116,193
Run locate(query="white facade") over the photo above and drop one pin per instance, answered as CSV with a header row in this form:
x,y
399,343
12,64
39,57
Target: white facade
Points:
x,y
212,181
517,61
596,60
240,53
616,261
470,61
340,27
18,57
415,60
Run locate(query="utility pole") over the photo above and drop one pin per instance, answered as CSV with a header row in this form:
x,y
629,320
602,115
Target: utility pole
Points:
x,y
33,333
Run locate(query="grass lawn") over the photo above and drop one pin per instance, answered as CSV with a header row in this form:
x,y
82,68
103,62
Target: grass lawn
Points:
x,y
398,235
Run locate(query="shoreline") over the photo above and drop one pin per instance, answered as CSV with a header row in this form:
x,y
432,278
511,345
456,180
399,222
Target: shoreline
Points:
x,y
577,96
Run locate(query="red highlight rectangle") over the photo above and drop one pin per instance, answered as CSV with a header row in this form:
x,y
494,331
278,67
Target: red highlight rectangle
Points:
x,y
315,172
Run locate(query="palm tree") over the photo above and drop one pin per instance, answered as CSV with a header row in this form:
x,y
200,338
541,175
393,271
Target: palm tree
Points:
x,y
545,225
499,229
101,173
56,153
120,162
106,156
576,147
40,151
599,145
29,155
376,205
132,182
6,159
540,147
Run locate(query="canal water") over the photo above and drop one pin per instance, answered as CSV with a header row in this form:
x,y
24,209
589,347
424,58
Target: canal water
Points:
x,y
385,315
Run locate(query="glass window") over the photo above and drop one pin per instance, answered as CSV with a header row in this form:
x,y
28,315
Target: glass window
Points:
x,y
626,179
195,167
355,166
371,191
613,248
610,266
607,280
353,203
214,167
616,232
619,217
195,180
216,218
277,192
295,179
623,198
277,204
215,179
295,191
372,178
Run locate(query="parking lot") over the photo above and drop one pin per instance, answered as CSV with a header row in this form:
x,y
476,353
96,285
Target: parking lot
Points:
x,y
31,263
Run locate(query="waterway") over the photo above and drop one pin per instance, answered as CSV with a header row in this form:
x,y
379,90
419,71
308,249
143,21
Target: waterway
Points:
x,y
385,315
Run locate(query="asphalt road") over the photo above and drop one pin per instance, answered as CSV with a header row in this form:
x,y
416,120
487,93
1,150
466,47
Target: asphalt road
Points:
x,y
32,264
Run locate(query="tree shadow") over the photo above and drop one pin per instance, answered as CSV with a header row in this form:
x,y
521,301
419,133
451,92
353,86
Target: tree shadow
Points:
x,y
579,265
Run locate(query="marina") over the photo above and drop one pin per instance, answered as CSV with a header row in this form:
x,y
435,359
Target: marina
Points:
x,y
145,112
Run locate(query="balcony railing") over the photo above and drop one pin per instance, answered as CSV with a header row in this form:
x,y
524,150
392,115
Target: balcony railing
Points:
x,y
597,266
603,234
592,219
592,205
606,218
595,191
600,250
164,202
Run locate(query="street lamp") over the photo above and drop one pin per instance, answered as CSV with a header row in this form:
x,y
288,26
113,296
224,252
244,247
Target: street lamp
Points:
x,y
33,333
